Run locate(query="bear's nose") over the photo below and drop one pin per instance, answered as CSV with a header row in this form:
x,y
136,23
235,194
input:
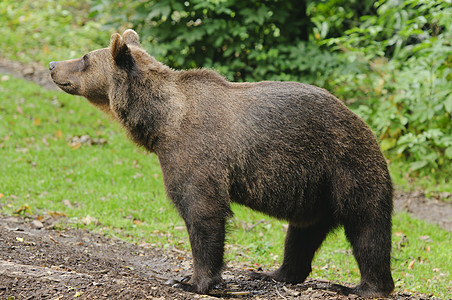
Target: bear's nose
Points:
x,y
52,65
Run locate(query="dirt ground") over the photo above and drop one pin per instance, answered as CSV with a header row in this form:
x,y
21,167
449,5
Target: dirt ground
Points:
x,y
38,261
45,263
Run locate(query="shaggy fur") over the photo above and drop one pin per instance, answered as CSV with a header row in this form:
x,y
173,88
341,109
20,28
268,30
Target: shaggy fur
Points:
x,y
290,150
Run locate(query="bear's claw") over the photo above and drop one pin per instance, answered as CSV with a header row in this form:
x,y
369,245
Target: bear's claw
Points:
x,y
260,276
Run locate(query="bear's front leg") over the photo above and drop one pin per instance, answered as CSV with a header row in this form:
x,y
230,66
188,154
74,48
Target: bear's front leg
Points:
x,y
203,204
207,234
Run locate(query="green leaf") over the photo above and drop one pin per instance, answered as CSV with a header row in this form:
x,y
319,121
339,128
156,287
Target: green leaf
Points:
x,y
448,104
448,153
418,165
387,144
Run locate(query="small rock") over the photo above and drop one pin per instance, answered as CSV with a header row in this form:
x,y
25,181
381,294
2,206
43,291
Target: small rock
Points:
x,y
100,141
85,139
37,224
28,71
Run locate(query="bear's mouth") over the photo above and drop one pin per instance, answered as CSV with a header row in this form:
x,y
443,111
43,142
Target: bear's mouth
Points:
x,y
63,84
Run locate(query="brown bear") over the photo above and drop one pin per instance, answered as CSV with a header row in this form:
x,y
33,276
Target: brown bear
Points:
x,y
288,149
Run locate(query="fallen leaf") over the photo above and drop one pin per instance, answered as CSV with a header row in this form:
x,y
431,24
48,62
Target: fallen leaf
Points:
x,y
53,240
186,265
67,203
137,222
22,150
45,49
24,209
137,176
292,292
55,214
244,293
88,220
411,264
425,238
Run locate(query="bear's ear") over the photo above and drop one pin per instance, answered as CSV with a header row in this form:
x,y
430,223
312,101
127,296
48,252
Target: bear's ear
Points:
x,y
131,38
121,53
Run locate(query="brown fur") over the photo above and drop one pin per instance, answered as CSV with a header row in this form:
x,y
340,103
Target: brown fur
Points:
x,y
287,149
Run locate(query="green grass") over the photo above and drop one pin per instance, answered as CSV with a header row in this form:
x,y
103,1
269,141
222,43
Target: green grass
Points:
x,y
42,31
121,186
436,186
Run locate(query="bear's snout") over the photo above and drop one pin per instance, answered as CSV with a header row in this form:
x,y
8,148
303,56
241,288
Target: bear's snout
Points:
x,y
52,65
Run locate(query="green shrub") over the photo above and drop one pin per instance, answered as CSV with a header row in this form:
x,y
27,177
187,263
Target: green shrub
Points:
x,y
407,95
390,60
244,40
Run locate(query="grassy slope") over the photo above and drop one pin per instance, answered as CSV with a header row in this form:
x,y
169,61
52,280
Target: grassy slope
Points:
x,y
41,31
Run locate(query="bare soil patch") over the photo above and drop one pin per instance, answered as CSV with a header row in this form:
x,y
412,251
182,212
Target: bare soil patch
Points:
x,y
47,263
32,72
38,261
434,210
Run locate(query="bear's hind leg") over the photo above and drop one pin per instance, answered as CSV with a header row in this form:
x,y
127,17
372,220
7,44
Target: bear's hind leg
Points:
x,y
300,247
371,244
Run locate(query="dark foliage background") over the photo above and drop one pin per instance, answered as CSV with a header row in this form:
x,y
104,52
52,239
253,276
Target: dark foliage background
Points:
x,y
390,60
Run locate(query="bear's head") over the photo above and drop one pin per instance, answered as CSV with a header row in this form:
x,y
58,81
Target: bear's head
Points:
x,y
93,75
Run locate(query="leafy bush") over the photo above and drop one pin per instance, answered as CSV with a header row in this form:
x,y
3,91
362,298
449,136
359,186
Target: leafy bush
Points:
x,y
244,40
390,59
408,96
